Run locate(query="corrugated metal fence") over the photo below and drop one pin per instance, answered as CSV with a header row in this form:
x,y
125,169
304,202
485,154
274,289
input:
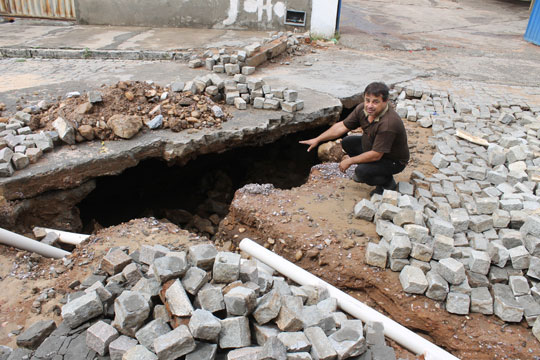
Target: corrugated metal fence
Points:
x,y
533,28
50,9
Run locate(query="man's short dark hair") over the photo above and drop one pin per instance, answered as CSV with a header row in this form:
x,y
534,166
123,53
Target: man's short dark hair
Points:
x,y
377,89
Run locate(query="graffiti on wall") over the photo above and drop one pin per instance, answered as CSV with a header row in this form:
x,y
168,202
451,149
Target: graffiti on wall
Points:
x,y
260,7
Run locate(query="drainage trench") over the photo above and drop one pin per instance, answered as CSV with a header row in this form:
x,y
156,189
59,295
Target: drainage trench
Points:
x,y
196,196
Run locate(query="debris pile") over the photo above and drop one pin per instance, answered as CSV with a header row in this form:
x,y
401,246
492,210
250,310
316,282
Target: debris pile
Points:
x,y
160,304
468,235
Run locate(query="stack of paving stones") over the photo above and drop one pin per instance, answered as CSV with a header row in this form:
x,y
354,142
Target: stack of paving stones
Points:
x,y
246,60
155,303
241,91
468,235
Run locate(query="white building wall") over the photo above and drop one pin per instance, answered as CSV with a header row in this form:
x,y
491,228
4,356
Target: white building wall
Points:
x,y
323,18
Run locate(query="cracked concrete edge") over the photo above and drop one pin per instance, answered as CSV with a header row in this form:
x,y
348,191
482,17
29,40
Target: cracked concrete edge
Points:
x,y
66,168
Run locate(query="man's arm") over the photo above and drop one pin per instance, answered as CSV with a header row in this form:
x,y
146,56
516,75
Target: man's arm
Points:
x,y
335,131
366,157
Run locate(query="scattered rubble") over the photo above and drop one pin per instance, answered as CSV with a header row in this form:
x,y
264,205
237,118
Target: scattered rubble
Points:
x,y
238,309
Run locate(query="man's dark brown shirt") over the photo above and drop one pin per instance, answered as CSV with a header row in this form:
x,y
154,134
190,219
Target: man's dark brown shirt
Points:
x,y
386,134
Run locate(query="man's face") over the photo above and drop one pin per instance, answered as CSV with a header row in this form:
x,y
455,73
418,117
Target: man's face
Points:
x,y
374,104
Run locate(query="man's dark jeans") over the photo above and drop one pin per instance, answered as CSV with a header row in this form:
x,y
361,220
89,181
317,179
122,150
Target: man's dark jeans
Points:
x,y
374,173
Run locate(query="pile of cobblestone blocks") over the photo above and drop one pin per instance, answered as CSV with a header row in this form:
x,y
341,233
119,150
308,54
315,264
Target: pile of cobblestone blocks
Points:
x,y
469,234
241,91
155,303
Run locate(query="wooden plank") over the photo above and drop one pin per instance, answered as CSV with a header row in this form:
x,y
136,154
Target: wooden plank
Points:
x,y
471,138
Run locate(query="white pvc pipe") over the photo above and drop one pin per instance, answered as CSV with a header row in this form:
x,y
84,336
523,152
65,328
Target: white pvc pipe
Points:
x,y
68,237
392,329
22,242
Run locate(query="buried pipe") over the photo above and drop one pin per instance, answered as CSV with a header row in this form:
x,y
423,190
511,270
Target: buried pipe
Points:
x,y
68,237
22,242
392,329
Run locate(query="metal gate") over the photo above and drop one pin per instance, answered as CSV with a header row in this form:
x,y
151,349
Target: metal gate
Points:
x,y
50,9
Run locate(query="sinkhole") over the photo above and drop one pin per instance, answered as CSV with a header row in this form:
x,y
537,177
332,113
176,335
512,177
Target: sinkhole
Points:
x,y
201,189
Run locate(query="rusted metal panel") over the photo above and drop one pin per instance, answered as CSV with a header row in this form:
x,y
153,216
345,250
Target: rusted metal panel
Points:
x,y
50,9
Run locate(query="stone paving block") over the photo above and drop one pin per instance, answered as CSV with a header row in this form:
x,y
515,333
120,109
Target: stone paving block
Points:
x,y
139,352
510,238
348,342
405,216
131,310
175,343
194,279
295,341
480,223
150,287
386,229
376,255
382,352
210,298
203,351
115,261
463,287
481,301
273,349
486,205
313,316
519,285
374,331
246,353
149,253
6,170
520,257
413,280
437,287
290,314
234,333
226,267
516,153
398,264
82,309
477,280
460,219
531,225
536,329
498,253
505,306
149,332
531,308
532,243
439,161
34,335
202,256
451,270
479,262
457,303
204,326
268,307
177,299
99,336
120,346
400,247
327,305
264,332
20,161
321,347
364,210
534,267
443,247
417,233
421,252
240,301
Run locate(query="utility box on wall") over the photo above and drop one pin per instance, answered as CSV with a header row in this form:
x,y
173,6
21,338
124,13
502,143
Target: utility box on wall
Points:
x,y
217,14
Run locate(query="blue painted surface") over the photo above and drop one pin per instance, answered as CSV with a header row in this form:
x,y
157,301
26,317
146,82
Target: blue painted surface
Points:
x,y
532,34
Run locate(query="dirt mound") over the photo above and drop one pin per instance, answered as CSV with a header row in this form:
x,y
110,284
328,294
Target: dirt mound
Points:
x,y
180,110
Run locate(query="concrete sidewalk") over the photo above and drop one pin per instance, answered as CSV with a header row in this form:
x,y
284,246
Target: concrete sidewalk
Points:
x,y
53,39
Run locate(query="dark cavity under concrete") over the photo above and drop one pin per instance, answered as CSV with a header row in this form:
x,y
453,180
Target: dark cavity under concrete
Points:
x,y
204,186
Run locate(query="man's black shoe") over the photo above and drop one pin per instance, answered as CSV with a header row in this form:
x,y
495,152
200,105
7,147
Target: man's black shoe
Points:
x,y
355,178
378,190
391,185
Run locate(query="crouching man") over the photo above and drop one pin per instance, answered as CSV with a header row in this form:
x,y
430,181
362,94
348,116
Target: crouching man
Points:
x,y
381,151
